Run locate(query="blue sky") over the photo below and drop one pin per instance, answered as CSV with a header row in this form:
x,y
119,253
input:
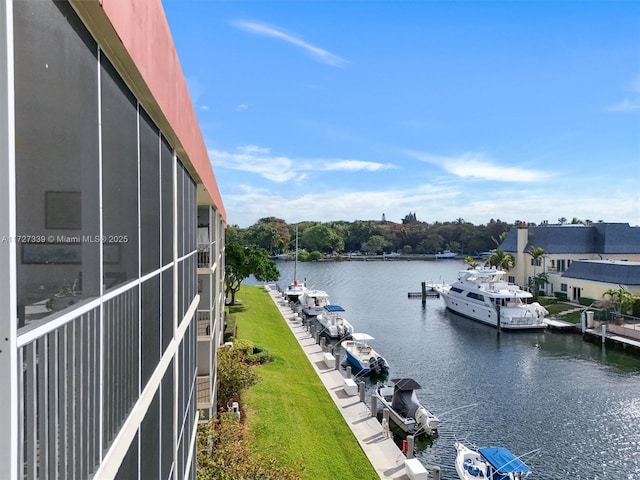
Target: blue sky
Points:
x,y
348,110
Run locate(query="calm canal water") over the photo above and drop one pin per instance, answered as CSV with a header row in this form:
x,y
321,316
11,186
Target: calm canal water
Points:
x,y
575,401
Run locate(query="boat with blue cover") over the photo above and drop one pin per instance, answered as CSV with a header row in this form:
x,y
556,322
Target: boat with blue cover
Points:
x,y
489,463
333,323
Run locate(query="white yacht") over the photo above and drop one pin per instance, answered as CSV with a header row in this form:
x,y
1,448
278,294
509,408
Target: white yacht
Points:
x,y
482,295
294,291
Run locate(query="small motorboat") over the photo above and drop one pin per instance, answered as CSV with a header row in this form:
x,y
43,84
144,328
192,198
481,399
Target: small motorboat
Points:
x,y
489,463
446,254
404,408
362,356
333,323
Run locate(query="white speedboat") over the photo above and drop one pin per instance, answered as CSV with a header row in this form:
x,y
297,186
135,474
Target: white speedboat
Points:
x,y
446,254
362,356
489,463
312,302
404,408
333,323
482,295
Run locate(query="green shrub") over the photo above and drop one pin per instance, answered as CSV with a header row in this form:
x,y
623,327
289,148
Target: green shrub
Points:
x,y
224,452
245,347
258,356
234,375
561,296
586,301
635,307
315,256
543,300
229,327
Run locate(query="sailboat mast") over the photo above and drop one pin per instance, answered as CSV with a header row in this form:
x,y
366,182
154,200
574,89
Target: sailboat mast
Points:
x,y
295,263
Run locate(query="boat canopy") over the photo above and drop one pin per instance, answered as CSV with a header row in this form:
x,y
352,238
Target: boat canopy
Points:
x,y
333,308
503,460
406,384
361,337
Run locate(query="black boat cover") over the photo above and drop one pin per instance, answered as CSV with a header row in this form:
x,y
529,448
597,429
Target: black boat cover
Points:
x,y
406,384
405,402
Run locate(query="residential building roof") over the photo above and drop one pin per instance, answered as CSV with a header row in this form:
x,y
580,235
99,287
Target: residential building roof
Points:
x,y
607,271
597,238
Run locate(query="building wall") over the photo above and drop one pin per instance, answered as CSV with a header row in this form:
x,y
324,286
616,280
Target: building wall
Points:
x,y
554,264
102,181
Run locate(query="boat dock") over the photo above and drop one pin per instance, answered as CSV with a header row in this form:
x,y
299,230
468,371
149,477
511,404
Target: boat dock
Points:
x,y
555,324
385,456
424,293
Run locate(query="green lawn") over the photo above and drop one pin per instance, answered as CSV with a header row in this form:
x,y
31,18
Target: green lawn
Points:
x,y
289,413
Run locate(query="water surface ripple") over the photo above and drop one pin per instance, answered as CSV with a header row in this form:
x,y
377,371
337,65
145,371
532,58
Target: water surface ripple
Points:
x,y
577,402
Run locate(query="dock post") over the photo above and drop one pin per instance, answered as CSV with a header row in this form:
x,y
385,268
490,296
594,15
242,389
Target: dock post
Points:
x,y
317,336
348,372
385,415
323,342
589,319
498,322
361,391
337,355
424,293
435,473
374,405
410,444
603,329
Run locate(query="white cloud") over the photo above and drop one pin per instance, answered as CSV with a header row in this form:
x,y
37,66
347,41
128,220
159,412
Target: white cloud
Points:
x,y
246,204
475,165
355,166
279,168
626,105
319,54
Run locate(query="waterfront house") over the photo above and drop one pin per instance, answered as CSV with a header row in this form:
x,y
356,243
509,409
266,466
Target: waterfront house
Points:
x,y
111,246
580,260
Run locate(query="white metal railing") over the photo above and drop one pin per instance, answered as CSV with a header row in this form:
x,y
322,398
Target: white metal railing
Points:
x,y
204,323
204,255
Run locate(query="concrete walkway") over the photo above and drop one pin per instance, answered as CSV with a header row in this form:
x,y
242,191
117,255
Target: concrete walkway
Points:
x,y
385,456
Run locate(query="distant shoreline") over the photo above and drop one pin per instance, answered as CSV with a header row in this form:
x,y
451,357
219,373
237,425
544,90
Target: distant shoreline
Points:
x,y
383,258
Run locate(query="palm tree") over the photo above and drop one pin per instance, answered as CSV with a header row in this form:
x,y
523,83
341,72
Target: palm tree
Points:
x,y
537,282
501,259
471,262
536,254
619,298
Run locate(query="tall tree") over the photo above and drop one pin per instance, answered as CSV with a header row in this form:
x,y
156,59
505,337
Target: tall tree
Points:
x,y
241,262
322,238
270,233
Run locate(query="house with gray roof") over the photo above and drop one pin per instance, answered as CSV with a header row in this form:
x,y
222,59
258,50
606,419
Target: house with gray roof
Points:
x,y
580,260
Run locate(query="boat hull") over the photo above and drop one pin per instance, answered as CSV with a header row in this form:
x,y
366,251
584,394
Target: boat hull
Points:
x,y
363,361
406,424
489,316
